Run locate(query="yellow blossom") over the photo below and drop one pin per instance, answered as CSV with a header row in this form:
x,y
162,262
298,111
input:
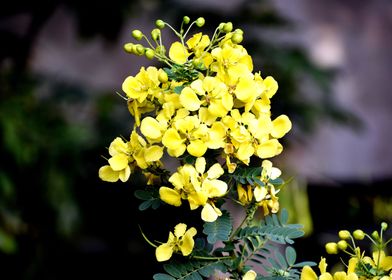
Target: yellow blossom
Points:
x,y
179,241
178,53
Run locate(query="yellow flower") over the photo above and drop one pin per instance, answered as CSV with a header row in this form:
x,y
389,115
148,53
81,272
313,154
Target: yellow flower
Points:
x,y
144,83
380,260
197,43
118,167
250,275
245,194
308,273
181,240
178,53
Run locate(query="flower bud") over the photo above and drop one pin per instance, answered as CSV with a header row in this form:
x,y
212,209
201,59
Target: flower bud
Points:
x,y
162,76
139,49
227,27
149,53
137,34
375,235
359,234
221,25
200,21
342,245
160,50
186,19
344,234
128,47
155,34
237,38
331,248
384,225
160,23
238,30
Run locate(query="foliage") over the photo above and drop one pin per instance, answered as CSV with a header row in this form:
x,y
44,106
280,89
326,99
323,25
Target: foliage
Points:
x,y
210,112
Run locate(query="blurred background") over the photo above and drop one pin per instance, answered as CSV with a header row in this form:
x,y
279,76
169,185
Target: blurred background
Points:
x,y
61,64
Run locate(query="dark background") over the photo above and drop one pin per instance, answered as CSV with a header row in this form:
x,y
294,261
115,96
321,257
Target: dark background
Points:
x,y
61,63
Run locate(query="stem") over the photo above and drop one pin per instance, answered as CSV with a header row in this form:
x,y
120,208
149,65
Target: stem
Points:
x,y
211,258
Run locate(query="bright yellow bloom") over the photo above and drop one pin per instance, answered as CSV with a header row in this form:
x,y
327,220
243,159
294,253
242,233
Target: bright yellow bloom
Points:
x,y
197,43
380,260
308,273
245,194
250,275
178,53
118,167
181,240
144,83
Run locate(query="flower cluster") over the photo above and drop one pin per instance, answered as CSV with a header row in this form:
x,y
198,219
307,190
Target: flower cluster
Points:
x,y
208,109
360,265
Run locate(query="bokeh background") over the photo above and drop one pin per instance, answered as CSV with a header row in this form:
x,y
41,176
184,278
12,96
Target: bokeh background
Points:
x,y
61,64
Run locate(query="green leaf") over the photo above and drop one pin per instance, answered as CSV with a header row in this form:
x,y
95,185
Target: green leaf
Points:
x,y
162,276
145,205
220,229
302,264
143,195
291,255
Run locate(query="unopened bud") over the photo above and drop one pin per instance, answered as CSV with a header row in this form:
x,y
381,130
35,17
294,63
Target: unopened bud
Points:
x,y
186,19
137,34
344,234
160,23
162,76
139,49
342,245
237,38
331,248
155,34
375,235
200,21
149,53
227,27
359,234
384,225
128,47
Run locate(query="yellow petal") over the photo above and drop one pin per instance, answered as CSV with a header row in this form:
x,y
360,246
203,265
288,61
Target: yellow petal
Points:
x,y
308,273
354,276
326,276
171,139
197,148
118,162
151,128
352,264
200,165
208,214
124,174
179,229
178,53
260,193
250,275
117,146
215,171
269,149
340,275
281,125
189,99
153,153
215,188
170,196
188,243
163,252
323,265
271,86
106,173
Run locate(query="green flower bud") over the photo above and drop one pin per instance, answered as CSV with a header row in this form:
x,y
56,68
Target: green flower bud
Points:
x,y
160,23
342,245
137,34
161,50
239,31
128,47
237,38
221,25
186,19
227,27
359,234
375,235
331,248
344,234
162,76
155,34
200,21
139,49
149,53
384,225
